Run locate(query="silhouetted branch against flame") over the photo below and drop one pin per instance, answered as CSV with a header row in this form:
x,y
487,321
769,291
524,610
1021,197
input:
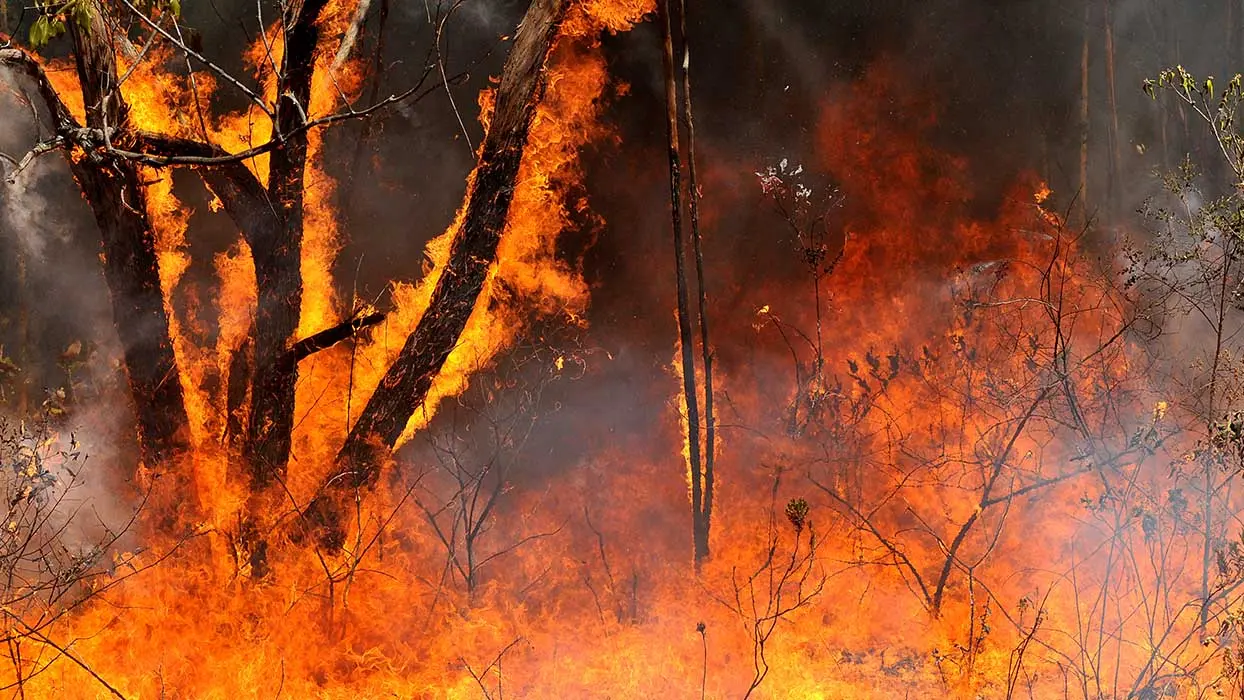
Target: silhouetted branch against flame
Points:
x,y
779,586
477,456
479,676
405,385
331,336
228,77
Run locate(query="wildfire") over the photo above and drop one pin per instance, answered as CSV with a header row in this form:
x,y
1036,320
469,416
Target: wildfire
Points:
x,y
937,465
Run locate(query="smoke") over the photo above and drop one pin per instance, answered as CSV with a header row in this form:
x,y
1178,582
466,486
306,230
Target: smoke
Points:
x,y
30,218
66,346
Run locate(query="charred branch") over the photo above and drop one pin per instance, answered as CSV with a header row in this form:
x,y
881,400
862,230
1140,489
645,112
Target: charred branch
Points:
x,y
245,200
474,248
214,156
162,150
329,337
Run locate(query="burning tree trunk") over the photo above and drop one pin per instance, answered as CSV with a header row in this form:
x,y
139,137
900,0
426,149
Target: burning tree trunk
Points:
x,y
118,200
270,217
699,455
278,259
271,220
706,351
405,386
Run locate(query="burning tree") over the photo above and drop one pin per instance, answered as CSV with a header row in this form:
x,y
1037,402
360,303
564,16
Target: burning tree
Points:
x,y
299,88
218,421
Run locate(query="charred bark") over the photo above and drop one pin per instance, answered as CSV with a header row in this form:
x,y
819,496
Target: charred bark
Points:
x,y
118,200
278,262
697,244
247,203
699,520
474,249
238,394
329,337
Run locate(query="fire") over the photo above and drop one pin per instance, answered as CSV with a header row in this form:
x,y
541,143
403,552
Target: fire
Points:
x,y
937,469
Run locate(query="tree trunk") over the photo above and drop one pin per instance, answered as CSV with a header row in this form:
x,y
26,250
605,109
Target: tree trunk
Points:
x,y
699,523
278,261
118,200
697,244
474,249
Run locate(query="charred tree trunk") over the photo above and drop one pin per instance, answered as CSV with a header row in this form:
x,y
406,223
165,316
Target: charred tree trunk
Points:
x,y
699,523
278,260
237,395
474,249
118,199
693,209
248,204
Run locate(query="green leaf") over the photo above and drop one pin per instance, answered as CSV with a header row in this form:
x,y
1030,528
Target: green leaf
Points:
x,y
81,13
39,33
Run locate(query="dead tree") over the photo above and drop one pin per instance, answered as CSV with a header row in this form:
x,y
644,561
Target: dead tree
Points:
x,y
700,451
697,247
476,457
